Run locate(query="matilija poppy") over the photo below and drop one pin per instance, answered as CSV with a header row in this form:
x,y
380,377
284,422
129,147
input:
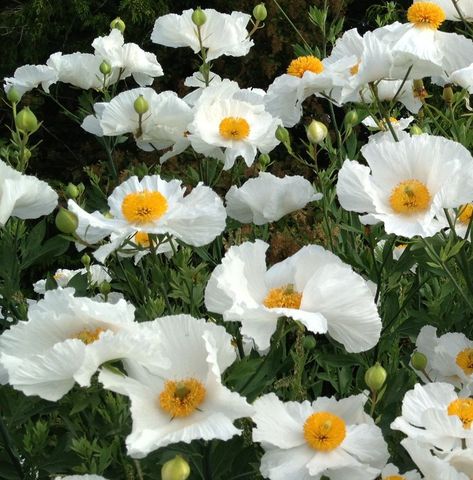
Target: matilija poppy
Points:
x,y
326,438
404,185
313,286
391,472
187,401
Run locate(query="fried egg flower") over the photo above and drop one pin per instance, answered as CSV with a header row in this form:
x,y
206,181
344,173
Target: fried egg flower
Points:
x,y
449,357
382,126
28,77
462,220
391,472
451,13
66,339
23,196
221,34
305,287
328,437
435,415
406,188
188,401
155,206
268,198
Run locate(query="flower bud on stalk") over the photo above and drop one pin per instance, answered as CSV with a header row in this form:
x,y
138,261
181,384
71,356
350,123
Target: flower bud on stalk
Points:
x,y
264,160
105,288
85,260
13,95
447,95
375,377
351,118
141,105
66,221
260,13
175,469
419,361
105,68
282,134
26,120
416,130
316,132
419,90
72,191
198,17
118,23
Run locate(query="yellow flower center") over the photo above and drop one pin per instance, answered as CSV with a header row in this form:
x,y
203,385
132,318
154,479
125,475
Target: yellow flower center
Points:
x,y
141,239
283,297
324,431
89,336
301,65
144,207
354,69
383,124
465,214
463,409
57,276
465,360
410,196
426,15
234,128
394,477
182,398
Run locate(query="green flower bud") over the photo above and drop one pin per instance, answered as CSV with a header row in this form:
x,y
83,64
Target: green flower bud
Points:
x,y
375,377
260,13
282,134
85,260
351,118
13,95
66,221
175,469
416,130
26,154
105,288
118,23
316,132
105,68
309,342
447,94
72,191
264,160
141,105
26,120
198,17
418,361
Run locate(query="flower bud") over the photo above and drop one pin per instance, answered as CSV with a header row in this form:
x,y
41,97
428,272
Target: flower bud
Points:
x,y
264,160
418,361
66,221
175,469
13,95
375,377
316,132
118,23
105,288
72,191
85,260
198,17
26,154
105,68
419,90
416,130
141,105
351,118
260,13
282,134
447,94
309,342
26,120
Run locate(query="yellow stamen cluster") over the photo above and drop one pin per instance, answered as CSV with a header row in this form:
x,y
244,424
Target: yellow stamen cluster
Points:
x,y
182,398
141,239
234,128
465,360
463,409
409,197
426,15
283,297
383,125
324,431
465,214
308,63
89,336
355,68
144,207
394,477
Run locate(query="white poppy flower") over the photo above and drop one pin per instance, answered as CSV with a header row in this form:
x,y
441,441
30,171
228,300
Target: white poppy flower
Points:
x,y
65,340
187,401
268,198
28,77
198,82
156,206
383,128
23,196
327,437
435,415
454,465
305,287
221,34
406,188
449,357
391,472
463,77
451,13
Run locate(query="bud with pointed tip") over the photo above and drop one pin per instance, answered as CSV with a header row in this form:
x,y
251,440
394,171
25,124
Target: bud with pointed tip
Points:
x,y
13,95
309,342
26,154
26,120
85,260
105,288
416,130
175,469
447,94
316,132
66,221
72,191
198,17
264,160
418,361
282,134
260,13
375,377
105,68
141,105
118,23
351,118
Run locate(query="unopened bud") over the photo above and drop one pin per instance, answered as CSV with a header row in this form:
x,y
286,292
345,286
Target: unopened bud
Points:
x,y
85,260
375,377
26,154
316,132
13,95
175,469
72,191
26,120
264,160
447,94
105,288
419,90
66,221
260,13
105,68
282,134
351,118
418,361
141,105
118,23
309,342
198,17
416,130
